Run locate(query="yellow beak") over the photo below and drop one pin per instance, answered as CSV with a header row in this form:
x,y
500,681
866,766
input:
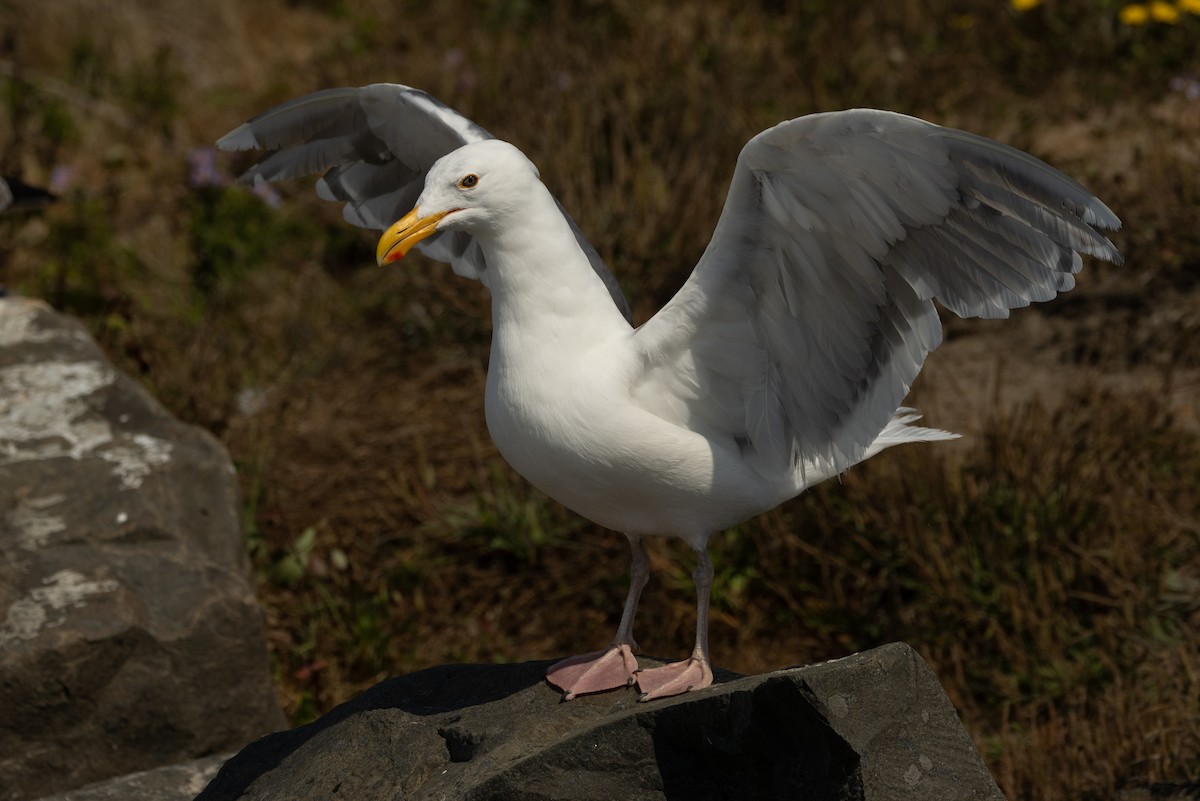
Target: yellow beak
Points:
x,y
404,233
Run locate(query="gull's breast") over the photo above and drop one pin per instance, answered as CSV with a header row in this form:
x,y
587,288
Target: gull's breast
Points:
x,y
573,430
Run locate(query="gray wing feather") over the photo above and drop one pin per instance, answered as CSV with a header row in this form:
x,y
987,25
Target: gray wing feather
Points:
x,y
375,145
839,232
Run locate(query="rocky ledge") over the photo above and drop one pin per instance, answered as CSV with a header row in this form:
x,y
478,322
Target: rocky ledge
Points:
x,y
876,725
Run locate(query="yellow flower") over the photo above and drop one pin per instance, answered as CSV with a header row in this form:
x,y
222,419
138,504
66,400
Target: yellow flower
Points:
x,y
1163,11
1025,5
1134,14
1190,6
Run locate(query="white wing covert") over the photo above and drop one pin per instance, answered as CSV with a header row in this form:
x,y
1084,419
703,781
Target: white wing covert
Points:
x,y
375,145
810,313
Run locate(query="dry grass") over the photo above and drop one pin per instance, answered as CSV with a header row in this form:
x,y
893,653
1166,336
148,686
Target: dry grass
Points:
x,y
1048,566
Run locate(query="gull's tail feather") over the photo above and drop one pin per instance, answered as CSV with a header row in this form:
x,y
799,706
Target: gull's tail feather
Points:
x,y
900,429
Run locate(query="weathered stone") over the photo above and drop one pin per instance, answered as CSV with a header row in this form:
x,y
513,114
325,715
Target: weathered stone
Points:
x,y
129,635
876,725
170,783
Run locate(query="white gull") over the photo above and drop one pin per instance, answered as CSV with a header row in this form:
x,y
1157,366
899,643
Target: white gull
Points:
x,y
782,361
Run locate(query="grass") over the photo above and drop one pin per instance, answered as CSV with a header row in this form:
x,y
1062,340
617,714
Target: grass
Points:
x,y
1048,566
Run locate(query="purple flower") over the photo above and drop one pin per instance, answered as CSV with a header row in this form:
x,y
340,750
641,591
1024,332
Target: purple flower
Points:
x,y
61,178
1186,85
266,192
202,162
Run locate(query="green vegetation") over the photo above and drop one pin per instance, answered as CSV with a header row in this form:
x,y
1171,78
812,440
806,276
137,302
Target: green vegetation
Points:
x,y
1047,566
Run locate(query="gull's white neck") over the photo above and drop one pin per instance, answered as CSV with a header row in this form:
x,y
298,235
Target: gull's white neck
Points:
x,y
561,352
543,288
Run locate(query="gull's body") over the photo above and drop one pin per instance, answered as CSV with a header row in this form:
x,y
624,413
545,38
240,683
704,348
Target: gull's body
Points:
x,y
782,361
568,404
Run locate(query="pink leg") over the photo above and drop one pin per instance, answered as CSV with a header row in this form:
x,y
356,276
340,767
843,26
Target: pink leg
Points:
x,y
695,672
614,666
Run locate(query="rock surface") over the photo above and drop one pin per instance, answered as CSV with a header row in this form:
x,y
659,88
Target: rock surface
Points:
x,y
170,783
875,725
129,635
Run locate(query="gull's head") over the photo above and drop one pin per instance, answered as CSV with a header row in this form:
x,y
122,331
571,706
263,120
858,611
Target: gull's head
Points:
x,y
470,189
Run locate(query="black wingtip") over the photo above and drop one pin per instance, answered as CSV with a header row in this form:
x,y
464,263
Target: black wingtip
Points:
x,y
16,195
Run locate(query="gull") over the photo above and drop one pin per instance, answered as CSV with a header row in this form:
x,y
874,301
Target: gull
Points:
x,y
16,195
782,361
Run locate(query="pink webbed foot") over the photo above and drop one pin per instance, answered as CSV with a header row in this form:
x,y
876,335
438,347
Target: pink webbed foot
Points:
x,y
693,673
594,672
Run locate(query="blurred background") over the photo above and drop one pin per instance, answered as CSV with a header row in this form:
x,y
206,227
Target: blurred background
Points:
x,y
1047,565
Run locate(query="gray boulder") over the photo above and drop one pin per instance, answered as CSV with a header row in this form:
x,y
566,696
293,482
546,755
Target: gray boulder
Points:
x,y
129,634
875,725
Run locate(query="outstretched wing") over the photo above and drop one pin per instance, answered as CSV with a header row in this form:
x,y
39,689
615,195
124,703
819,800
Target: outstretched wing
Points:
x,y
810,313
375,144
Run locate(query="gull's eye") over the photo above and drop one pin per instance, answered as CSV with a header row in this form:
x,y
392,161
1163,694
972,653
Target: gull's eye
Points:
x,y
468,181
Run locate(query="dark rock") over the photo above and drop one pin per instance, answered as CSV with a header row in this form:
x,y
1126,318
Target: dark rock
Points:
x,y
876,725
129,634
170,783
